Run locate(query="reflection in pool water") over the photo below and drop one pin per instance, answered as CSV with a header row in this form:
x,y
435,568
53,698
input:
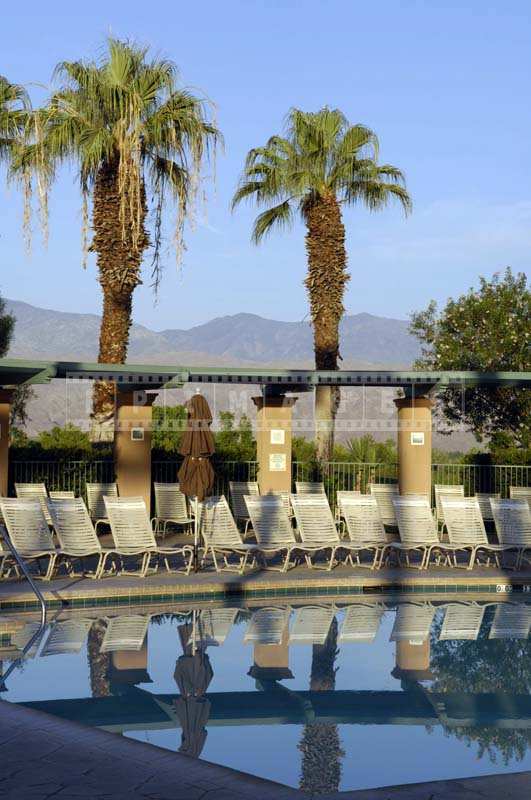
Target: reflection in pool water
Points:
x,y
323,697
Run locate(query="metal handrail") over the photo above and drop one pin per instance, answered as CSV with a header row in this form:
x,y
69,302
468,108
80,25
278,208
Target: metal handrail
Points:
x,y
42,602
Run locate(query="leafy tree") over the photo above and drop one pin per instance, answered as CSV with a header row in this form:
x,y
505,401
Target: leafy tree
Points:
x,y
235,442
322,163
68,441
14,109
485,330
168,424
367,450
138,140
485,666
7,324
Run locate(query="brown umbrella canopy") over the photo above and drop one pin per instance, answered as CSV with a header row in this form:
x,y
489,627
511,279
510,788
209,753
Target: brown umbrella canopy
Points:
x,y
196,476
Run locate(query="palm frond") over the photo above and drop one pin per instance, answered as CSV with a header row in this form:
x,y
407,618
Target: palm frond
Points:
x,y
280,216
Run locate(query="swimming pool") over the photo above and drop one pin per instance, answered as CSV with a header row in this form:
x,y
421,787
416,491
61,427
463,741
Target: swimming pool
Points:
x,y
324,697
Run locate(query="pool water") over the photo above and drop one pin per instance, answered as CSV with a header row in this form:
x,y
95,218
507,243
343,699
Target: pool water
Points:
x,y
324,697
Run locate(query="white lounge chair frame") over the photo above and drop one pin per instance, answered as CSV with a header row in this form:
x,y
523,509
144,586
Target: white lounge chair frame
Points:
x,y
412,623
29,531
466,528
171,507
511,621
127,632
361,622
318,529
213,627
66,637
311,625
34,491
384,493
76,533
445,489
133,535
274,531
520,493
512,519
309,487
96,492
221,536
365,527
68,494
238,491
418,531
267,626
485,507
462,621
344,494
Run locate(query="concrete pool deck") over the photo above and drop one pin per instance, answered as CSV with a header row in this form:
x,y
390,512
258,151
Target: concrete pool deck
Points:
x,y
43,757
298,584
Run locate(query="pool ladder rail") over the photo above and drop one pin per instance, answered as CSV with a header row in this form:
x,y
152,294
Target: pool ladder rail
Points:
x,y
42,603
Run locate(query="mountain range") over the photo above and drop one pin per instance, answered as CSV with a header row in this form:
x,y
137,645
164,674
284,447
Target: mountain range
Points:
x,y
238,339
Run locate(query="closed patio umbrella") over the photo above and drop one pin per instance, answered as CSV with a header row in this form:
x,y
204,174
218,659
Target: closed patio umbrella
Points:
x,y
193,674
196,476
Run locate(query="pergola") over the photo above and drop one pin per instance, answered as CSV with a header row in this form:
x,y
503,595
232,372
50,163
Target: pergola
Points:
x,y
137,386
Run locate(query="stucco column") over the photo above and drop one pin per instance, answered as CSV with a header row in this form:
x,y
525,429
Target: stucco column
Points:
x,y
132,444
6,396
273,441
271,661
414,445
412,661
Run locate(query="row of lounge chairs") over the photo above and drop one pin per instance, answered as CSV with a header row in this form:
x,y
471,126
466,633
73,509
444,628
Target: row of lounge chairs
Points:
x,y
66,535
361,531
303,625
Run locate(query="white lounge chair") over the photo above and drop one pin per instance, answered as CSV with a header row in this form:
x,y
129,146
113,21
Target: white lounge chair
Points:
x,y
309,487
238,491
267,626
76,533
365,527
512,519
412,623
95,502
274,531
484,499
418,530
361,622
285,498
171,508
511,621
66,637
133,535
34,491
213,627
317,528
465,527
344,494
449,489
520,493
311,625
384,493
127,632
462,621
29,531
23,636
221,536
60,495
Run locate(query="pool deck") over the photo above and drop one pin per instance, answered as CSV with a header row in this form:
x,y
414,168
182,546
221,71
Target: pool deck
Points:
x,y
43,757
299,584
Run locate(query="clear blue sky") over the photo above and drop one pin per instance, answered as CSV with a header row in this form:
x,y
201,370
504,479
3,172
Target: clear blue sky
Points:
x,y
444,84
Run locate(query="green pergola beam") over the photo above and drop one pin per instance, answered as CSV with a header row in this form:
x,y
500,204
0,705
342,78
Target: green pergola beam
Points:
x,y
14,372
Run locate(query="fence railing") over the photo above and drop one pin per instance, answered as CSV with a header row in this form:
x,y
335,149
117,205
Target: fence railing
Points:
x,y
336,475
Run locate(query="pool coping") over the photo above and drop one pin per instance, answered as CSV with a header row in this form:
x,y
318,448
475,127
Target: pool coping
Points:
x,y
42,755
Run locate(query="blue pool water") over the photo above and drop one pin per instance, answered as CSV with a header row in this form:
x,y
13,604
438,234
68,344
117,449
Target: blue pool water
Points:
x,y
414,701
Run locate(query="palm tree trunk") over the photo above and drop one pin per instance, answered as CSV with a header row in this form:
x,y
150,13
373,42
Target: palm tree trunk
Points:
x,y
99,663
320,744
325,282
119,260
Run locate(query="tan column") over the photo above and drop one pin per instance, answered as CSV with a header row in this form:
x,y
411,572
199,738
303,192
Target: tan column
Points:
x,y
414,445
271,661
5,410
412,661
132,444
273,442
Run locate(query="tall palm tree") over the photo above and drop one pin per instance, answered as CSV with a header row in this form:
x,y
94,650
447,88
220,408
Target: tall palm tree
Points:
x,y
138,140
320,744
14,111
322,163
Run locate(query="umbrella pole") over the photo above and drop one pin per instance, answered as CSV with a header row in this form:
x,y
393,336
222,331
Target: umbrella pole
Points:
x,y
196,536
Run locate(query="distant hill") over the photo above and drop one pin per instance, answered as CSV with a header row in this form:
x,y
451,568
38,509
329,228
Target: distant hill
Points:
x,y
241,338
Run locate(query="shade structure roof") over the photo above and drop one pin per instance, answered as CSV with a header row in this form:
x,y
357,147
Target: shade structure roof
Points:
x,y
128,377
